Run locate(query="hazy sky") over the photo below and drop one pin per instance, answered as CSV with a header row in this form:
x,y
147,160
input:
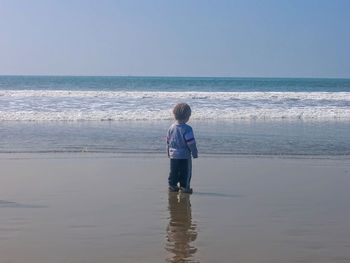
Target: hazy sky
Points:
x,y
296,38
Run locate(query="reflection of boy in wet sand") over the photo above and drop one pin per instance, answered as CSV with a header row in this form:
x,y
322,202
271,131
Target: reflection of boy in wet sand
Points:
x,y
181,232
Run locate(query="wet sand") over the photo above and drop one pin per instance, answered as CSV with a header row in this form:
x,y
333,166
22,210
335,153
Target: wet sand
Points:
x,y
116,208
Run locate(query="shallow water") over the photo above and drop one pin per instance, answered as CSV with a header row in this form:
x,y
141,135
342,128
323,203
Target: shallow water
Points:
x,y
103,208
236,137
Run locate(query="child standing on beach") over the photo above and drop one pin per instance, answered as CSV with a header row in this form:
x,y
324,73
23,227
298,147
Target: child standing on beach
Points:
x,y
180,145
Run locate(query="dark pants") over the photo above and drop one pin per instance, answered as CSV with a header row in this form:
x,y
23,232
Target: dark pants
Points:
x,y
180,172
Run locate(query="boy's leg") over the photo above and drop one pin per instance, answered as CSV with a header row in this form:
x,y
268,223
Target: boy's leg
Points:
x,y
173,175
186,177
183,173
189,172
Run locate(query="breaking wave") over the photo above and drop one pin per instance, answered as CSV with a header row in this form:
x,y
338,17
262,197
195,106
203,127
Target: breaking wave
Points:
x,y
65,105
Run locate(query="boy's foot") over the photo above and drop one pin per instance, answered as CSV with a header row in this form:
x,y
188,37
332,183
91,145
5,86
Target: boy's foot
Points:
x,y
186,190
173,188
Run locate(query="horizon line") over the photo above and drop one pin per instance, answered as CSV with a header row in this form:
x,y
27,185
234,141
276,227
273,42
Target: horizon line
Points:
x,y
166,76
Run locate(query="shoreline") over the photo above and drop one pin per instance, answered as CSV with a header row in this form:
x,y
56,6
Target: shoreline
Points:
x,y
280,138
109,155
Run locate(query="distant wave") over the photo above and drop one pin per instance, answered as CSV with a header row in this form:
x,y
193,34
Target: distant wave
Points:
x,y
65,105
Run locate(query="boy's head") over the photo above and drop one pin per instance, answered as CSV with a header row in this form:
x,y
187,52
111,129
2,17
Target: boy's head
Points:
x,y
182,112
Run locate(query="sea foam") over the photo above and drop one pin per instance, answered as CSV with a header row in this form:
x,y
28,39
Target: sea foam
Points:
x,y
65,105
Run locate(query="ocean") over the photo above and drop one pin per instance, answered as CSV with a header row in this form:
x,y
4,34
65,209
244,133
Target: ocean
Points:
x,y
255,116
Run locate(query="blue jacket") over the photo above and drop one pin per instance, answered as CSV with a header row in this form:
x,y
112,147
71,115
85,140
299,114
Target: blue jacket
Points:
x,y
180,142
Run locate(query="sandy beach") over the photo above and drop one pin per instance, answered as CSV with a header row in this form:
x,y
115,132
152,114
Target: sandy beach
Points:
x,y
116,208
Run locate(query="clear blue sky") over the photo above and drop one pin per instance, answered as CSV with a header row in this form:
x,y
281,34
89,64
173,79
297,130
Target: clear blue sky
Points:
x,y
296,38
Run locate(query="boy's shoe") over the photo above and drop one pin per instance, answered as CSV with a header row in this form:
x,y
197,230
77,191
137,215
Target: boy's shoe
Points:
x,y
173,188
186,190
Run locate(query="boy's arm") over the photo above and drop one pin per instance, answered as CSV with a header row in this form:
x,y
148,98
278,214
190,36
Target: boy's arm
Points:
x,y
191,143
167,144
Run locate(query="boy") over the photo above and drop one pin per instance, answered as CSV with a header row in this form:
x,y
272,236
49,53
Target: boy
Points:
x,y
180,145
